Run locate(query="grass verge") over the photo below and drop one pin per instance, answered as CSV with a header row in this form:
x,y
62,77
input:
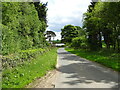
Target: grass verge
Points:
x,y
20,76
105,57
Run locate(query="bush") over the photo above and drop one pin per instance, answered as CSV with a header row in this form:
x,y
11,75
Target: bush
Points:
x,y
13,60
79,42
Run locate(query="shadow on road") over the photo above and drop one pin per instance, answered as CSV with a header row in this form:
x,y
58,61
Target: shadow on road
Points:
x,y
64,53
85,72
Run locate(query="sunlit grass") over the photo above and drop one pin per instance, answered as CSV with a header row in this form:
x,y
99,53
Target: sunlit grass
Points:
x,y
105,57
20,76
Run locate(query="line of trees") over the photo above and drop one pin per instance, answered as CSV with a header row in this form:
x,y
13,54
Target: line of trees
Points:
x,y
101,25
23,26
102,21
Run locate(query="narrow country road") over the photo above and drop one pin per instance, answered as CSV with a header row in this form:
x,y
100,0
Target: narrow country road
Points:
x,y
76,72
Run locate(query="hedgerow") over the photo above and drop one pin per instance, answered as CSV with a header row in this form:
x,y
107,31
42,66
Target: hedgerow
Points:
x,y
21,27
18,59
23,43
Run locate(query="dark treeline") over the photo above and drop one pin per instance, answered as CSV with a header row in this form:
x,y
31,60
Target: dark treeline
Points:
x,y
23,26
102,23
101,27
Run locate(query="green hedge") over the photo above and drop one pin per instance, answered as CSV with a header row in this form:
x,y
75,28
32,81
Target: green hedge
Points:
x,y
13,60
23,43
79,42
21,27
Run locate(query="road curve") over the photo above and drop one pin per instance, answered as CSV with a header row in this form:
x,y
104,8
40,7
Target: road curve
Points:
x,y
76,72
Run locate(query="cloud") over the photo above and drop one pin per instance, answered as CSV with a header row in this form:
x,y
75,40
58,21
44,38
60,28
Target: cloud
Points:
x,y
64,12
58,36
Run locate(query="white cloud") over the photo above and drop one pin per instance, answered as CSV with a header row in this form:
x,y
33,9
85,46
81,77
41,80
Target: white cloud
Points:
x,y
63,12
58,36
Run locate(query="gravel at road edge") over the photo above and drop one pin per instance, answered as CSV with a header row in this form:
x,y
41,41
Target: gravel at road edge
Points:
x,y
47,81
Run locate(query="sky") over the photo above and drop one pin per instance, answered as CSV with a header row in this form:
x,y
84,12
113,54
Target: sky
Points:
x,y
64,12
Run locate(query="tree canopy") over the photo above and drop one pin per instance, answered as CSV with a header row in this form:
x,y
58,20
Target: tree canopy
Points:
x,y
100,26
68,32
23,26
50,34
101,22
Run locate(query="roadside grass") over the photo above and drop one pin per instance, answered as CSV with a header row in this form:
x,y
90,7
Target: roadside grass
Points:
x,y
20,76
105,57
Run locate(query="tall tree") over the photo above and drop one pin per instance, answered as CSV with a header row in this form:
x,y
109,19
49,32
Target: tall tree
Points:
x,y
68,32
90,25
42,13
103,20
110,22
50,34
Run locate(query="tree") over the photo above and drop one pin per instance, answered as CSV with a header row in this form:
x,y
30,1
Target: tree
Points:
x,y
22,28
90,25
81,31
68,32
41,8
50,34
102,20
108,12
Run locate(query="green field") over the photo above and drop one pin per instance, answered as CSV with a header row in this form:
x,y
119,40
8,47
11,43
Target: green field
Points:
x,y
105,57
20,76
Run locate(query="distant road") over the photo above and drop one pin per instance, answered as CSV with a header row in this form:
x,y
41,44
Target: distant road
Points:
x,y
76,72
60,44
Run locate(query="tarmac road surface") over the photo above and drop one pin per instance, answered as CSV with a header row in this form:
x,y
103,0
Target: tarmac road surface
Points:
x,y
76,72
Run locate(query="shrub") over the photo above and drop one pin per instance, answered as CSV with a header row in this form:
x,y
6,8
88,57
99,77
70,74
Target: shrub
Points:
x,y
79,42
13,60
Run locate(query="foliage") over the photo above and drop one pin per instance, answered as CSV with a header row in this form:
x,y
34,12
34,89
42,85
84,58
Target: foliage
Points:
x,y
13,60
42,11
50,34
74,36
21,27
79,42
68,32
105,57
23,74
56,41
23,43
102,21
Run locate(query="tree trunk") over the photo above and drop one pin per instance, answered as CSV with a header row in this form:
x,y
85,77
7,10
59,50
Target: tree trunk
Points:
x,y
118,45
100,40
107,40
